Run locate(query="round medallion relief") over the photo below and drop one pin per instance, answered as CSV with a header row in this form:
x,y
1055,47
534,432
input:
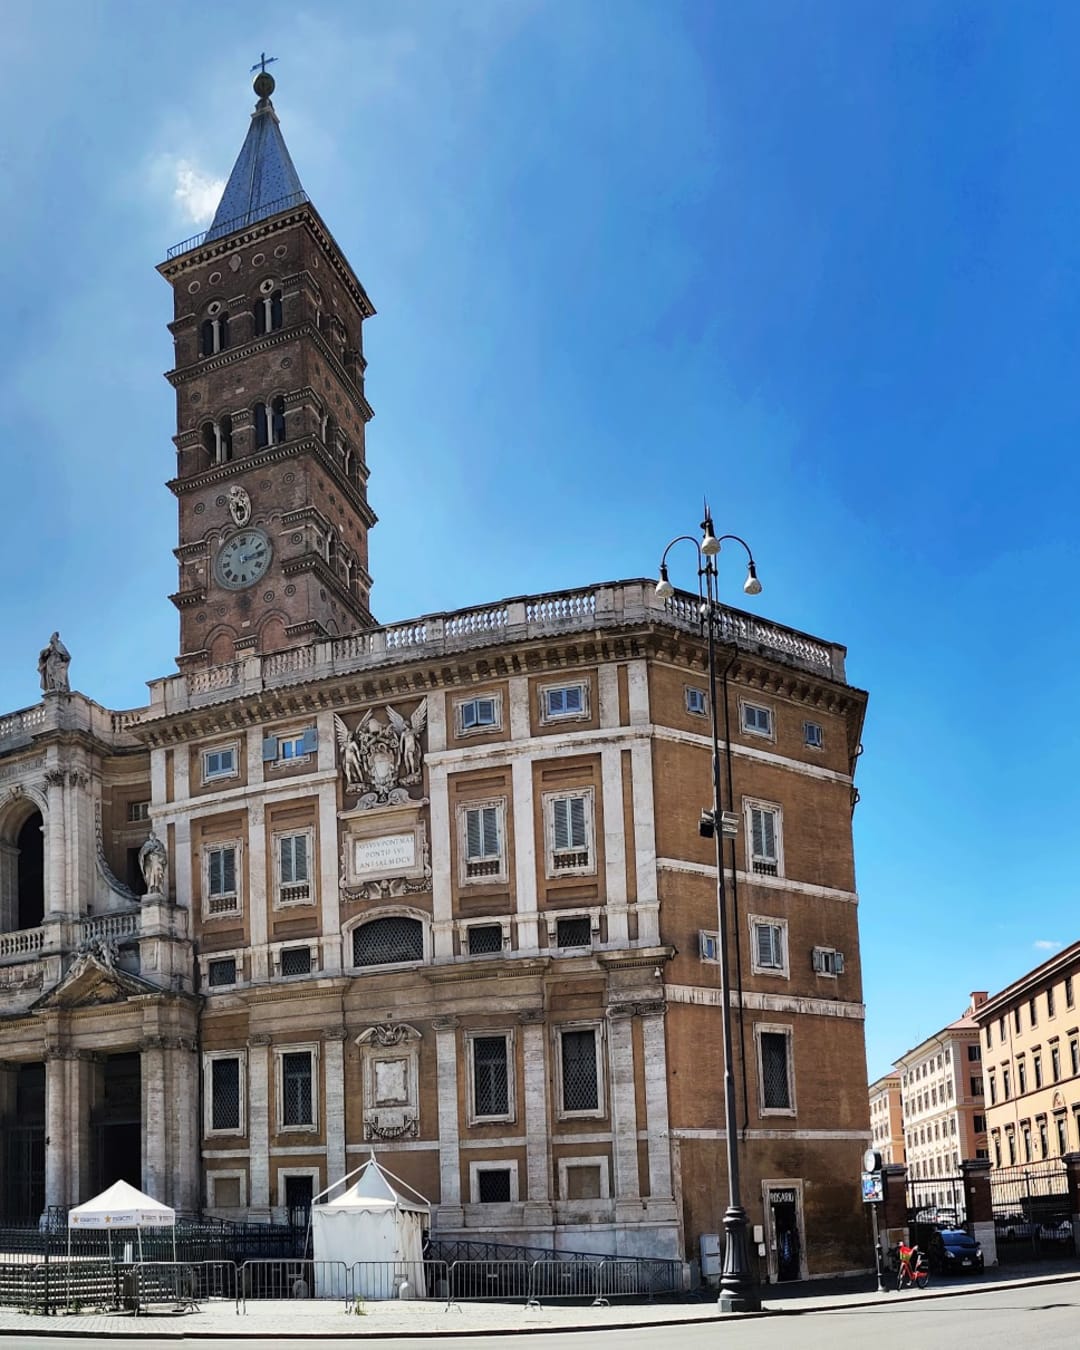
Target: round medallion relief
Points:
x,y
200,618
214,278
194,287
200,507
221,609
297,538
289,477
268,596
219,501
280,251
196,397
265,485
290,589
286,362
258,259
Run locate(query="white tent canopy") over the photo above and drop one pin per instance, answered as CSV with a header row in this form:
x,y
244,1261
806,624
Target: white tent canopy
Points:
x,y
372,1221
122,1206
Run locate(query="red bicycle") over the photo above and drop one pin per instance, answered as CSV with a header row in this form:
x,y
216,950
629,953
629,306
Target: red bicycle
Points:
x,y
914,1270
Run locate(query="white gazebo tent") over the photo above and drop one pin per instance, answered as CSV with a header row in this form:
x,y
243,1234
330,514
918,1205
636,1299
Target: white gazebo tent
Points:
x,y
121,1206
372,1221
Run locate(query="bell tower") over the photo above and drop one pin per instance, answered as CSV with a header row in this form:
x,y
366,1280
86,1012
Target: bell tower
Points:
x,y
271,476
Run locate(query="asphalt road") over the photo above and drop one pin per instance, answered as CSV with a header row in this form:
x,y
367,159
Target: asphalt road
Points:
x,y
1047,1316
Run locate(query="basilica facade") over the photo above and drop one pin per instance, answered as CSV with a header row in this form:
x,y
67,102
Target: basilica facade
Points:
x,y
433,888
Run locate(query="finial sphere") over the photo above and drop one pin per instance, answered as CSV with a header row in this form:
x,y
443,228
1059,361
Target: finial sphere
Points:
x,y
264,84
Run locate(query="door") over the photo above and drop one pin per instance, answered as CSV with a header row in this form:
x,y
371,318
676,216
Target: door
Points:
x,y
786,1240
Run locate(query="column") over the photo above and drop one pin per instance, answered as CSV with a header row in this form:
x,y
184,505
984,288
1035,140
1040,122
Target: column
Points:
x,y
442,897
256,890
334,1070
155,1117
624,1149
258,1115
61,1130
436,721
614,843
520,720
537,1126
185,1190
608,685
645,844
654,1053
330,901
450,1211
524,854
55,852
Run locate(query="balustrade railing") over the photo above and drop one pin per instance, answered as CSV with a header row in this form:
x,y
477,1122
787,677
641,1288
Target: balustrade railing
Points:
x,y
22,943
22,723
110,927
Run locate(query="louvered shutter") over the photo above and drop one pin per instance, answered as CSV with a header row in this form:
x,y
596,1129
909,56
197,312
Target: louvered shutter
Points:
x,y
474,834
838,962
577,822
309,742
300,858
215,873
561,813
228,870
819,960
491,832
269,750
763,829
765,944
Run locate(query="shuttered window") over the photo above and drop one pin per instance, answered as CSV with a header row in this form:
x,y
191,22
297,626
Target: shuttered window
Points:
x,y
570,832
483,841
769,946
566,701
764,835
221,879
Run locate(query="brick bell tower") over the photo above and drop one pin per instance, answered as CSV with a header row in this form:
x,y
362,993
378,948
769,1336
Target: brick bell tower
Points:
x,y
271,474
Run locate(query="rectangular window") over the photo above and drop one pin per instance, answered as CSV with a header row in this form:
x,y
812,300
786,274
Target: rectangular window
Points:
x,y
764,835
1011,1138
769,947
708,946
138,811
1062,1128
813,735
1036,1063
977,1088
773,1066
483,842
221,972
292,746
1055,1064
575,931
225,1113
992,1080
294,875
478,714
296,1083
1044,1141
580,1071
296,960
1033,1012
1068,991
567,700
493,1186
491,1078
974,1053
219,763
1006,1084
221,887
1050,1002
1021,1076
696,701
757,719
1074,1056
570,832
979,1123
485,939
827,961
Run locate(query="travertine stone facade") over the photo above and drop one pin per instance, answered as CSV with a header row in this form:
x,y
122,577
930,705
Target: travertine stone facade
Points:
x,y
887,1118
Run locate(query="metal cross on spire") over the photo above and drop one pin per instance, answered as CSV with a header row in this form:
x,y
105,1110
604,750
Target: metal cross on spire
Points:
x,y
263,62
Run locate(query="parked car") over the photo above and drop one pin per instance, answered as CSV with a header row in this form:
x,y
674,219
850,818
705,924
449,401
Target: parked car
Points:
x,y
1056,1231
954,1252
1012,1226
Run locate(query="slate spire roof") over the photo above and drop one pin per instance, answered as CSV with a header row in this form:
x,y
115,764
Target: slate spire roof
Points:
x,y
264,179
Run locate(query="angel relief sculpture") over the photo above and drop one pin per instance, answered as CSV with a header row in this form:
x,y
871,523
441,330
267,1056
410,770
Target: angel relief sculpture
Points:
x,y
380,759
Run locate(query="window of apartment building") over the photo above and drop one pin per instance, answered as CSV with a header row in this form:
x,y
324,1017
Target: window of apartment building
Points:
x,y
138,811
224,1097
1061,1126
697,701
764,837
295,961
828,961
583,1178
479,714
1010,1139
290,747
294,868
974,1052
1074,1056
1050,1001
221,972
1044,1138
976,1086
221,883
491,1096
564,702
1021,1075
482,835
1076,1121
757,720
295,1088
991,1079
1036,1065
1055,1064
1025,1134
1033,1013
578,1063
775,1077
978,1123
391,940
1001,1030
219,763
709,946
1068,991
493,1183
997,1150
569,823
485,939
575,930
1006,1084
769,946
813,735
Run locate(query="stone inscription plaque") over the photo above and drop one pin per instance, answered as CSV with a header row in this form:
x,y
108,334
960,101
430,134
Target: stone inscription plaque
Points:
x,y
387,853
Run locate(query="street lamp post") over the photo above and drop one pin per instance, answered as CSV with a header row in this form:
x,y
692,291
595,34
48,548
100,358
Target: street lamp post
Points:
x,y
738,1288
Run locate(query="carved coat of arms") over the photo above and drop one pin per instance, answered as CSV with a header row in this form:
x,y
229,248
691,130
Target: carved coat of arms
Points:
x,y
380,759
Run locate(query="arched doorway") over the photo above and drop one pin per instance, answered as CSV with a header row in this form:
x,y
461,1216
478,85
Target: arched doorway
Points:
x,y
22,867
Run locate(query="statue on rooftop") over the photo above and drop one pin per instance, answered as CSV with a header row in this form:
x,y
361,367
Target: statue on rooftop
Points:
x,y
53,665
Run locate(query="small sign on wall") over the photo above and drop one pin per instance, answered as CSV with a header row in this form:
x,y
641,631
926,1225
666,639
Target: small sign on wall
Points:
x,y
873,1188
386,853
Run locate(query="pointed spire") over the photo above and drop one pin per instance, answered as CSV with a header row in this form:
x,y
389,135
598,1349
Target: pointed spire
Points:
x,y
264,180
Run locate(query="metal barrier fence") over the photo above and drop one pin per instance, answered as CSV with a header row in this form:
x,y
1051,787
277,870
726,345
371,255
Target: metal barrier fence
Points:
x,y
184,1284
269,1278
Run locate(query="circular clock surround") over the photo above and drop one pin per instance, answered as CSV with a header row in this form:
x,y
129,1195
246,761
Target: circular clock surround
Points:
x,y
243,559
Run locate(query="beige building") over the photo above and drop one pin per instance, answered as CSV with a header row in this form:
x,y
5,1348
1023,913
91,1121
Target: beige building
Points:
x,y
433,887
887,1118
942,1100
1031,1056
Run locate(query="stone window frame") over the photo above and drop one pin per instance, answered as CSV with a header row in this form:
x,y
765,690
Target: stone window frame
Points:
x,y
404,1046
691,692
207,959
276,948
769,734
224,774
279,886
781,972
308,732
597,1026
289,1171
233,1174
493,1165
496,724
212,845
787,1031
750,805
552,918
587,793
138,812
503,922
388,911
827,962
313,1049
548,718
208,1056
813,735
473,1034
598,1161
492,878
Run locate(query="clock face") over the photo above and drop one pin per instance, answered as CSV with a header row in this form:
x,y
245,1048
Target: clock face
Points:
x,y
870,1160
243,560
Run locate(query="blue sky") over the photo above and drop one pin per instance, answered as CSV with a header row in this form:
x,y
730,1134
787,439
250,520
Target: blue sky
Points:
x,y
820,261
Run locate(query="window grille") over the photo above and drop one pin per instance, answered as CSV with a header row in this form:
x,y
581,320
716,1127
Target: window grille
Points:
x,y
567,701
222,972
696,702
763,833
757,719
295,883
769,945
383,942
478,713
493,1186
485,938
570,821
296,960
491,1084
225,1094
221,878
574,932
775,1088
580,1086
813,735
296,1088
138,811
483,845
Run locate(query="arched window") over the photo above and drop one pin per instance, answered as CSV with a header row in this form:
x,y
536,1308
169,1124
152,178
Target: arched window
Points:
x,y
268,313
277,420
332,551
209,440
276,311
206,338
347,462
329,430
384,942
214,333
262,426
224,445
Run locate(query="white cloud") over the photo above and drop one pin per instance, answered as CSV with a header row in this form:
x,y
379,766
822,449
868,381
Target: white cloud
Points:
x,y
195,192
1046,945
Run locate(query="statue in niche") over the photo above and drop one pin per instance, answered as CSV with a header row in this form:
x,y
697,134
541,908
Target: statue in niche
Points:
x,y
379,758
239,505
153,863
53,665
